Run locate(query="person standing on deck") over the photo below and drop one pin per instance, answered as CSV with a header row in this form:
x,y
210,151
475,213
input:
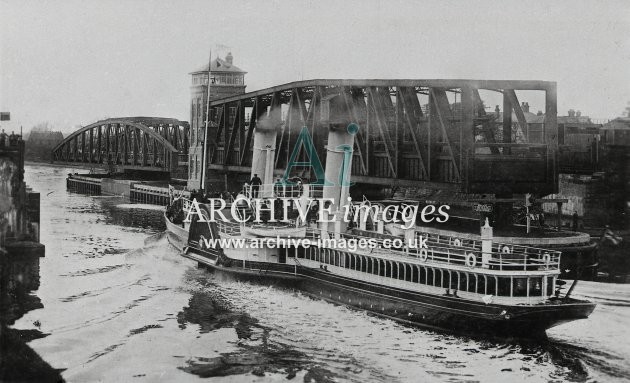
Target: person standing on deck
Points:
x,y
576,219
255,182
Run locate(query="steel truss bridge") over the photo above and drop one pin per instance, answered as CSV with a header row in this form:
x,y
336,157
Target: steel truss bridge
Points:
x,y
425,133
138,143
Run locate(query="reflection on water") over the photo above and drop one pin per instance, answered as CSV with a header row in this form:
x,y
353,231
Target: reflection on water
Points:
x,y
356,346
120,304
19,277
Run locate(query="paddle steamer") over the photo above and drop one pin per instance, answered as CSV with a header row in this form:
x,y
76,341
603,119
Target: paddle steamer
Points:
x,y
455,283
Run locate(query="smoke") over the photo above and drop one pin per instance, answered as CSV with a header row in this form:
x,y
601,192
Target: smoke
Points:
x,y
265,122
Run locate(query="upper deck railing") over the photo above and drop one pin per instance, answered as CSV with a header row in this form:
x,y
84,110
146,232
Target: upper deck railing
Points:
x,y
454,252
279,190
457,252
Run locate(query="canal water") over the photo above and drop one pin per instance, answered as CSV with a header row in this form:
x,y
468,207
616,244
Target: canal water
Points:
x,y
120,304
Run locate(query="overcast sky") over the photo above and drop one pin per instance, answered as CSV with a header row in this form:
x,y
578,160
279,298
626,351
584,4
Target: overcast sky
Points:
x,y
75,62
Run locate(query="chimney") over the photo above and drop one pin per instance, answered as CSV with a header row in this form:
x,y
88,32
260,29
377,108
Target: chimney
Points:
x,y
229,58
525,107
578,113
571,113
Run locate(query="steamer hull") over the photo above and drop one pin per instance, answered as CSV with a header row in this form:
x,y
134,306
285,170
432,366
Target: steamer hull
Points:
x,y
458,284
445,313
176,234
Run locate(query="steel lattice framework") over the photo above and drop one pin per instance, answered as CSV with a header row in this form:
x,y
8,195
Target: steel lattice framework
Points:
x,y
412,132
140,143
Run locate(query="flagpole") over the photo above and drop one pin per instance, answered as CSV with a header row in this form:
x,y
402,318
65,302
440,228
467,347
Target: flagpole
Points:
x,y
205,136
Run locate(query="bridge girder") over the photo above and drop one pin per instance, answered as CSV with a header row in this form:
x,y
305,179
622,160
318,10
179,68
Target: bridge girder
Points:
x,y
141,143
427,133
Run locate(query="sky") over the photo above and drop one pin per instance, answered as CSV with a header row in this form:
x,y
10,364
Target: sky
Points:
x,y
72,63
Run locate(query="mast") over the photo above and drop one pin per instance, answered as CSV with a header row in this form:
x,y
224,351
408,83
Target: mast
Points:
x,y
205,135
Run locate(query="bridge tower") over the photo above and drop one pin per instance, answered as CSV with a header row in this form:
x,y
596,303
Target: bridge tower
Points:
x,y
226,80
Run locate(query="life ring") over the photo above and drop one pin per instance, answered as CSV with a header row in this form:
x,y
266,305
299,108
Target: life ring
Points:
x,y
506,250
424,255
471,260
457,242
546,258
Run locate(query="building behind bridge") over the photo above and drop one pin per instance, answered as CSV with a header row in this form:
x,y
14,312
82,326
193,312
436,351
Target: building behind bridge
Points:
x,y
40,143
226,79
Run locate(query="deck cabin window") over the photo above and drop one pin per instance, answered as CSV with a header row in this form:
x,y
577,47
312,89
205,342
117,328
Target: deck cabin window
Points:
x,y
520,288
453,279
550,286
487,285
505,287
409,272
439,278
462,282
422,278
535,287
473,282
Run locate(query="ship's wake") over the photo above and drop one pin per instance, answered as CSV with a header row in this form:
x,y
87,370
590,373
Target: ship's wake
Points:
x,y
152,307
